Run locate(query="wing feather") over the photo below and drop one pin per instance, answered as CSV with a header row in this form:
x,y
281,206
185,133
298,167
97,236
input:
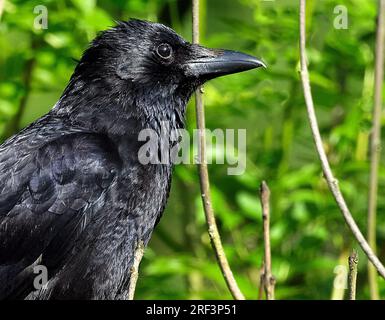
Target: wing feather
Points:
x,y
46,194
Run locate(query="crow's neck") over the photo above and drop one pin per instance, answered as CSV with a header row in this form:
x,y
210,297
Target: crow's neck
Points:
x,y
123,116
118,113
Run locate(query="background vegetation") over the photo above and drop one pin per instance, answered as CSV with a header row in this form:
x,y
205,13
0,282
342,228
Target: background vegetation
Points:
x,y
309,237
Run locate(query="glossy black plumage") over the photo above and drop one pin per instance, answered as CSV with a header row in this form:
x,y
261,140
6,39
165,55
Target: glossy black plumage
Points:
x,y
73,195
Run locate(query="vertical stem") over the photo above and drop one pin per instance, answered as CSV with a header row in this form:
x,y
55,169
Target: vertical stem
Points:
x,y
375,145
268,279
352,279
328,174
138,255
204,179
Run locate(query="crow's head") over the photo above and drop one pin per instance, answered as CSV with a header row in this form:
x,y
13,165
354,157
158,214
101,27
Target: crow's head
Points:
x,y
139,73
148,56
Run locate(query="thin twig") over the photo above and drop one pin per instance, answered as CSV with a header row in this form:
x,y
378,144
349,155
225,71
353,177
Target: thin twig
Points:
x,y
204,179
268,278
331,180
138,255
352,279
375,145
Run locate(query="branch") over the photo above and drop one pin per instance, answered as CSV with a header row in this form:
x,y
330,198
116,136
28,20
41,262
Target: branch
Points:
x,y
375,145
268,278
135,270
204,179
352,279
331,180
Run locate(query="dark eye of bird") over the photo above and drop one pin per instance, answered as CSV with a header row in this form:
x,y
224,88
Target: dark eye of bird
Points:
x,y
164,51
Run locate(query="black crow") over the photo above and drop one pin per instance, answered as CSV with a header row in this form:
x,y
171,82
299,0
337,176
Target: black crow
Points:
x,y
74,195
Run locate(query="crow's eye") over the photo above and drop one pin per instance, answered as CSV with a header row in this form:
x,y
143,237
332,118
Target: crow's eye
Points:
x,y
164,51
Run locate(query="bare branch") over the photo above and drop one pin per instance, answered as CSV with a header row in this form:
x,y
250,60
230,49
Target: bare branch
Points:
x,y
268,278
331,180
204,180
375,145
135,270
352,279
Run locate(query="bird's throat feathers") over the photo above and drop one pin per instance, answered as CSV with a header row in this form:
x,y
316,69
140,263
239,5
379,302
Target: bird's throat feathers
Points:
x,y
114,111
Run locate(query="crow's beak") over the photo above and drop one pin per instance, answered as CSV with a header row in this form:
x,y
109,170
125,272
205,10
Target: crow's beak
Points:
x,y
221,63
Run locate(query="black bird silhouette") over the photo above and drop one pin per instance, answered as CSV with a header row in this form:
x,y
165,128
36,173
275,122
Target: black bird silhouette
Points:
x,y
74,195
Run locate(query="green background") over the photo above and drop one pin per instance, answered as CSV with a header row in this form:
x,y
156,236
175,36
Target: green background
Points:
x,y
309,237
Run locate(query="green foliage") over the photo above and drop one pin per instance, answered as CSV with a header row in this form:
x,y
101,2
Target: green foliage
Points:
x,y
309,237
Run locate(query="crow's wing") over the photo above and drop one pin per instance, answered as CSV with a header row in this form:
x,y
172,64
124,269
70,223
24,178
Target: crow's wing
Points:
x,y
44,194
